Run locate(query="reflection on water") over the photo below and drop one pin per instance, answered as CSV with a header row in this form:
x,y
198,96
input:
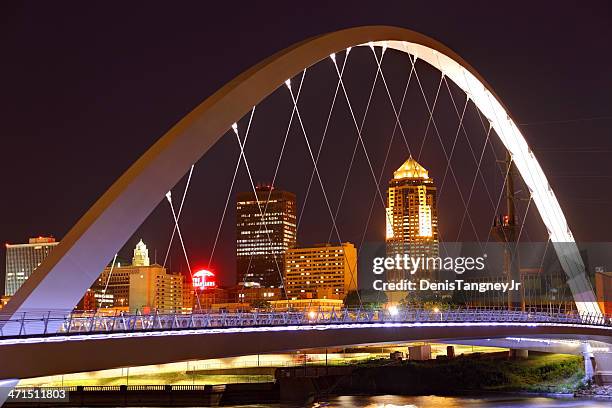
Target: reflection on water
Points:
x,y
506,401
396,401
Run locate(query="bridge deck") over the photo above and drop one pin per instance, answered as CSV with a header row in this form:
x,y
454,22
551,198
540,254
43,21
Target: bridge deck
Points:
x,y
88,343
53,323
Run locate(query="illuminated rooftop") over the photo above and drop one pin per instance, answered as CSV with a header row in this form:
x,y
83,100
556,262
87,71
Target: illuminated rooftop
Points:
x,y
411,169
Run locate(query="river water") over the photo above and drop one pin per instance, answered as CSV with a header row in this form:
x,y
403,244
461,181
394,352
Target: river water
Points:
x,y
505,401
394,401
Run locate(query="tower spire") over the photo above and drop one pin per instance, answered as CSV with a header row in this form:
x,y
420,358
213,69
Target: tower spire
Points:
x,y
141,255
411,169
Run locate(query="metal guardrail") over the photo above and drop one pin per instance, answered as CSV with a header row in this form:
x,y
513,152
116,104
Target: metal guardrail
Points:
x,y
127,388
36,323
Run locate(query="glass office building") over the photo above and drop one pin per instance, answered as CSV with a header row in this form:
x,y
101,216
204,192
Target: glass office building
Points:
x,y
23,259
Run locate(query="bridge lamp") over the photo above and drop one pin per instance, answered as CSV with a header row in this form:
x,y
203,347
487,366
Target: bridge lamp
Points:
x,y
393,311
312,314
436,310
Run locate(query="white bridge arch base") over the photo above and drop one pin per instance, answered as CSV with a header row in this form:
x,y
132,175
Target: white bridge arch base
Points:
x,y
60,281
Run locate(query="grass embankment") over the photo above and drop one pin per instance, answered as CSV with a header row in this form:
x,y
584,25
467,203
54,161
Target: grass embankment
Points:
x,y
553,373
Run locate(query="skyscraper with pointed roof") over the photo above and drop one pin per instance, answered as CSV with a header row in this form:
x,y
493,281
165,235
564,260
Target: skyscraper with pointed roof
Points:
x,y
411,218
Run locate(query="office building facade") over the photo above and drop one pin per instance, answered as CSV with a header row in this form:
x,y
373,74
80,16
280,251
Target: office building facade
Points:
x,y
140,285
153,289
262,241
23,259
321,272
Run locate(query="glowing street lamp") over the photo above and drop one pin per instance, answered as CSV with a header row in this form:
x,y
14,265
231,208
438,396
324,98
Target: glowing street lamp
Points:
x,y
393,310
437,310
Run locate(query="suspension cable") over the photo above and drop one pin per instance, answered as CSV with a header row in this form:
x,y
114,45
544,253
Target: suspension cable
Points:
x,y
382,75
529,173
353,278
501,195
505,174
469,200
229,194
348,172
467,100
431,113
518,237
484,127
178,215
360,139
280,157
477,162
433,121
178,230
384,165
243,155
544,257
348,50
110,273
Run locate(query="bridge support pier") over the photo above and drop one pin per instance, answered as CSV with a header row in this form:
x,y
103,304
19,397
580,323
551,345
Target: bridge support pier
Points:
x,y
5,387
603,367
587,355
517,354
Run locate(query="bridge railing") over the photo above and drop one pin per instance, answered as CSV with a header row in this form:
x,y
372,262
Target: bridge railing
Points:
x,y
32,323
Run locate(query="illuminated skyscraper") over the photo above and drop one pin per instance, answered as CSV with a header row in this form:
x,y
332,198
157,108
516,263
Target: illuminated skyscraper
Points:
x,y
261,242
411,219
23,259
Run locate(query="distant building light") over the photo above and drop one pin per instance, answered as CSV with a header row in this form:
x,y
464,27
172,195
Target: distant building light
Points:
x,y
204,279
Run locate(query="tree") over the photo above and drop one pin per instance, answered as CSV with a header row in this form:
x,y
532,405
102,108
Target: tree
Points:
x,y
260,304
370,298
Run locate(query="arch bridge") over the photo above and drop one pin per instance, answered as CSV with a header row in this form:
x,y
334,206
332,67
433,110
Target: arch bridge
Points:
x,y
96,342
29,348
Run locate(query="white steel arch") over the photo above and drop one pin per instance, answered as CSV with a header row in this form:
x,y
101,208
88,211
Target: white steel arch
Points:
x,y
60,281
525,161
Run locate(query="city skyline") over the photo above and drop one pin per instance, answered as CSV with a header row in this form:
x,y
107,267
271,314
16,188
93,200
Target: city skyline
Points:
x,y
337,192
511,82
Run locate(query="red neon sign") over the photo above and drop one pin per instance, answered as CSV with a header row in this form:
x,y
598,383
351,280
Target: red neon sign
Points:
x,y
203,279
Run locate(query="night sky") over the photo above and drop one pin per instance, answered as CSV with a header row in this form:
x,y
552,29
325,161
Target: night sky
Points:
x,y
86,89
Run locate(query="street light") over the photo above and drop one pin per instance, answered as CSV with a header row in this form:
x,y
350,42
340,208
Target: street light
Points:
x,y
437,310
393,311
